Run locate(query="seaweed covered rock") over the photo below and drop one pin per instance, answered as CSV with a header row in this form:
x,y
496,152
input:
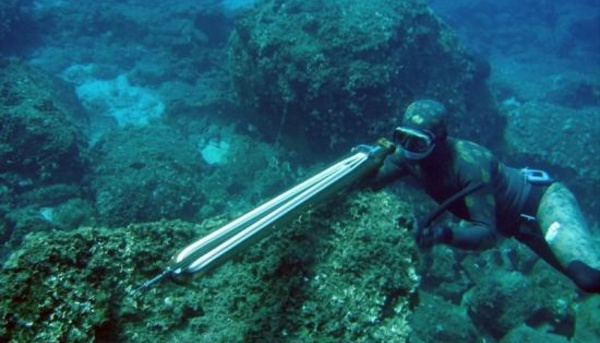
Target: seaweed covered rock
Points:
x,y
242,171
437,320
442,274
526,334
145,174
40,142
362,285
341,273
61,286
155,172
176,41
55,207
587,326
501,302
43,154
337,72
563,140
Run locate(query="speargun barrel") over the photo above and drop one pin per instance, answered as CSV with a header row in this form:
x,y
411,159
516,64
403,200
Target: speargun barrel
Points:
x,y
219,246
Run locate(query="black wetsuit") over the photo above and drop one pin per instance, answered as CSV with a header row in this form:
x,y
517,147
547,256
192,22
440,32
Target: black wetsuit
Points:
x,y
494,208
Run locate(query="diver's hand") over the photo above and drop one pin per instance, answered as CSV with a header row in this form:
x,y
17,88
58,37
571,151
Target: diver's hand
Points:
x,y
427,237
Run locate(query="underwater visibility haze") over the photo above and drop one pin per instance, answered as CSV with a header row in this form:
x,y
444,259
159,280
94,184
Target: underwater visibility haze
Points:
x,y
130,129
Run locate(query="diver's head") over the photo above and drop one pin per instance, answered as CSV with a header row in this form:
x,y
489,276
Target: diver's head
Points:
x,y
423,126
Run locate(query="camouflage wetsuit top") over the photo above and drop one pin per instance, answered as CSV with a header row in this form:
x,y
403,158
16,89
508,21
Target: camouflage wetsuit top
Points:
x,y
455,164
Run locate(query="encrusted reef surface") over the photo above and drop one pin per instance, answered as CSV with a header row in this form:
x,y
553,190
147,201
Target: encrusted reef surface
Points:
x,y
35,109
343,272
553,122
50,179
336,72
500,295
43,154
145,174
149,173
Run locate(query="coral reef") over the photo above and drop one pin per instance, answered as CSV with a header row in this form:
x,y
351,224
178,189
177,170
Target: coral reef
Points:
x,y
43,154
495,292
341,70
525,334
153,172
144,174
174,41
343,272
563,140
587,327
37,109
501,302
436,320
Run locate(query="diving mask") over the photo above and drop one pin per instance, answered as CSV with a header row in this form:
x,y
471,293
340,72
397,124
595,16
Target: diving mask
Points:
x,y
415,144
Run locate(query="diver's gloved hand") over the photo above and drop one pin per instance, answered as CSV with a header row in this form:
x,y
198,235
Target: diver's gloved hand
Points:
x,y
427,237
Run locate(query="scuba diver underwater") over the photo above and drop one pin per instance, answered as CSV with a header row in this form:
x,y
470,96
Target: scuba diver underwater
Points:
x,y
492,198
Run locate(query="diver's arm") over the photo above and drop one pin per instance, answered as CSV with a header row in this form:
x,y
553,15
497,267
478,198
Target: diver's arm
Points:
x,y
472,237
479,233
391,170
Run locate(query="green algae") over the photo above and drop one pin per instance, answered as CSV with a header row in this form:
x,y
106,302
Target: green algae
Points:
x,y
342,69
341,272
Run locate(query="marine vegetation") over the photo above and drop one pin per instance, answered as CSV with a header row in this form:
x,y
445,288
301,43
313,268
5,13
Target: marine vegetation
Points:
x,y
313,281
341,69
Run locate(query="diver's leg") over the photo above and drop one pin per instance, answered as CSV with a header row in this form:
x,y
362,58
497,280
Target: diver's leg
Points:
x,y
568,238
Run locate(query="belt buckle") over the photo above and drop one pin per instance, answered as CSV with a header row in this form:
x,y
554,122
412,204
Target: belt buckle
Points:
x,y
537,177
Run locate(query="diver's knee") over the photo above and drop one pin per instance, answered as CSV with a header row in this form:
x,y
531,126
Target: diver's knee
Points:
x,y
586,277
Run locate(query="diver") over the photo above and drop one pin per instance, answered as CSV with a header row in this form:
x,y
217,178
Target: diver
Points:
x,y
493,198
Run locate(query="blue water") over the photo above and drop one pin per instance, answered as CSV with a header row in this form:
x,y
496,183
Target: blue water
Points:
x,y
534,32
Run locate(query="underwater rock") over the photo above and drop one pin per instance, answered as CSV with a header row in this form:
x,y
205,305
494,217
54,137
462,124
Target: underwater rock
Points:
x,y
437,320
573,90
501,302
558,300
154,172
525,334
338,73
534,29
118,99
443,276
33,217
44,208
41,141
247,171
62,286
174,41
563,140
587,325
43,152
145,174
343,272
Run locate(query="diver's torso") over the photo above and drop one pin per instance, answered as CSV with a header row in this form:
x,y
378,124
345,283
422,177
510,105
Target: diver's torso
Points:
x,y
461,163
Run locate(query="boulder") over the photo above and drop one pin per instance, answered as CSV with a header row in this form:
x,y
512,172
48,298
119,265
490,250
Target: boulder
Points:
x,y
338,73
343,272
